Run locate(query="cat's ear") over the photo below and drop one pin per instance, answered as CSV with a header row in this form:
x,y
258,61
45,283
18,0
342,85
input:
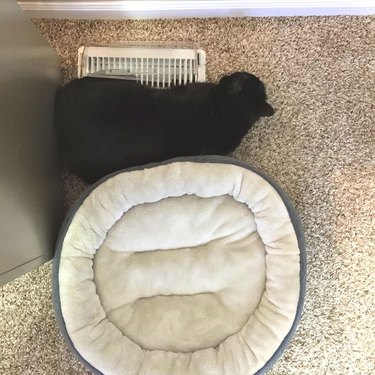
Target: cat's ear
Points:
x,y
233,84
266,110
236,86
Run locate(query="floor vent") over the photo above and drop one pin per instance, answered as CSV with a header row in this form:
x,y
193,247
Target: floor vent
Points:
x,y
155,65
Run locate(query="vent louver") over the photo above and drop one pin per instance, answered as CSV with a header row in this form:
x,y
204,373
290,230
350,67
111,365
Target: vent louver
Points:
x,y
159,67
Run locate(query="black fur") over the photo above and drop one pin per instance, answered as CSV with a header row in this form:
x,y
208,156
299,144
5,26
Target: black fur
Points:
x,y
104,125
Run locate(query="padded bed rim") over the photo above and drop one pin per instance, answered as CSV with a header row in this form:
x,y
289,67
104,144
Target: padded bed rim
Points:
x,y
297,225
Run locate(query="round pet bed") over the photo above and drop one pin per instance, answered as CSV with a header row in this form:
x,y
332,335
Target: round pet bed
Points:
x,y
191,266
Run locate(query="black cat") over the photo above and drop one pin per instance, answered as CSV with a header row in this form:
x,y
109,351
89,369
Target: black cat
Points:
x,y
104,125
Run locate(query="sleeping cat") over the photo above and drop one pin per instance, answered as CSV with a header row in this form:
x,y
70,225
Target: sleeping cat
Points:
x,y
104,125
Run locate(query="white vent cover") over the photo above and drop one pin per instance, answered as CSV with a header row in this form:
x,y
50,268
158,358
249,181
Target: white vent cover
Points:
x,y
156,66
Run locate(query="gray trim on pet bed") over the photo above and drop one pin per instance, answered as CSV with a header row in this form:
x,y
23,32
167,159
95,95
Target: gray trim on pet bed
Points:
x,y
197,159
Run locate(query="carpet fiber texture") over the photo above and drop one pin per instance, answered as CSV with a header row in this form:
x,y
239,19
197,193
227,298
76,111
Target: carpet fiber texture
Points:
x,y
319,146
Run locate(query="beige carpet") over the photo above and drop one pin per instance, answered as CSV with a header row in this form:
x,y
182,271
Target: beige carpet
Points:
x,y
319,146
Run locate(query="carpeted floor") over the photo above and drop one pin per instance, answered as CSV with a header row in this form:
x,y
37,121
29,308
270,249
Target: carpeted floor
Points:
x,y
319,146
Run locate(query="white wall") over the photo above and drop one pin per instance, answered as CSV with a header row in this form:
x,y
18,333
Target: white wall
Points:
x,y
139,9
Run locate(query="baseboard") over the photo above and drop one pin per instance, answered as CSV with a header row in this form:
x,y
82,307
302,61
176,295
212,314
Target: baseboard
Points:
x,y
146,9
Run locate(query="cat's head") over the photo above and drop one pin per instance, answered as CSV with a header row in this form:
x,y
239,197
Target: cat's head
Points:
x,y
247,94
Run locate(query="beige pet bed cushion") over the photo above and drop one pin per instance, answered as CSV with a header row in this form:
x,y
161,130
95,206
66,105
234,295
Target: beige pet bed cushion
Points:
x,y
187,267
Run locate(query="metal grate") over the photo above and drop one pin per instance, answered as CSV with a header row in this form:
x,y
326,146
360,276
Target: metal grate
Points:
x,y
154,66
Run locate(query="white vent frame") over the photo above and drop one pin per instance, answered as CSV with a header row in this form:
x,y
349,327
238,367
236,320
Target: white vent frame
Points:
x,y
152,65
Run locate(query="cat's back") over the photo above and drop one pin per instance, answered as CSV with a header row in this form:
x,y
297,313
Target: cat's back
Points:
x,y
95,93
